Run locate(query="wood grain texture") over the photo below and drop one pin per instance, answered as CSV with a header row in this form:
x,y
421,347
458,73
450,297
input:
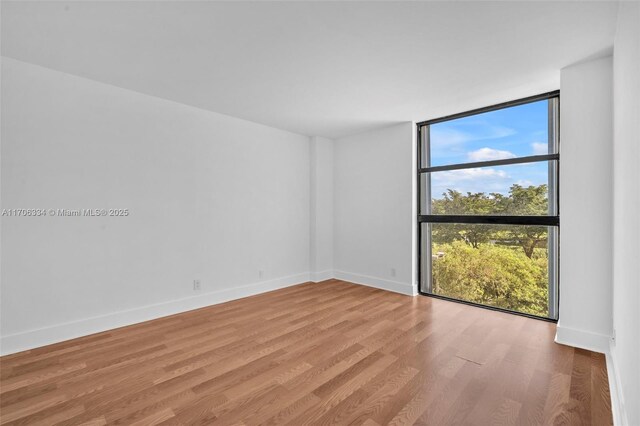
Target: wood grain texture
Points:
x,y
330,353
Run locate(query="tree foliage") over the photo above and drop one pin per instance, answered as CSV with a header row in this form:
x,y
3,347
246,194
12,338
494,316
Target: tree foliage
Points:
x,y
498,265
492,275
521,201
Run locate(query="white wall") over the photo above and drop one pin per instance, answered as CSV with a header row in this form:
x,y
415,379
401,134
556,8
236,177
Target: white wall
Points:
x,y
585,204
625,350
321,208
210,197
375,208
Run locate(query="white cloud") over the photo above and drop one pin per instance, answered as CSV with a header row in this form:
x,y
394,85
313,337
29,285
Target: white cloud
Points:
x,y
540,148
524,182
488,154
484,179
468,174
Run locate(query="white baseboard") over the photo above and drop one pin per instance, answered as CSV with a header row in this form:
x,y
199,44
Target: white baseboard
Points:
x,y
615,389
395,286
60,332
603,344
582,339
321,276
71,330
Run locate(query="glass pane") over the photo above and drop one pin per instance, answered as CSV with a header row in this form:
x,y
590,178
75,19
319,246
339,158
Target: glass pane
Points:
x,y
425,257
514,190
518,131
504,266
424,146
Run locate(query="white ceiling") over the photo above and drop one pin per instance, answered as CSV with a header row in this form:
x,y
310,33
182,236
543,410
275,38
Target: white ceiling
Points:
x,y
328,69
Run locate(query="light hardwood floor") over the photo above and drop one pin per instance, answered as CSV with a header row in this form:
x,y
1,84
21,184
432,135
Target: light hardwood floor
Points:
x,y
331,353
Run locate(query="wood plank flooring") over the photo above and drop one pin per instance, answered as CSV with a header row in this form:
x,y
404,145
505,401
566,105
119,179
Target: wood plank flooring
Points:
x,y
330,353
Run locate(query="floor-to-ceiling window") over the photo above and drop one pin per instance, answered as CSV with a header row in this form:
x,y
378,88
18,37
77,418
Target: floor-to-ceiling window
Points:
x,y
489,214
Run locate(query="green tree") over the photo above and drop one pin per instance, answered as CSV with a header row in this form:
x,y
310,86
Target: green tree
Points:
x,y
530,201
455,203
492,275
524,201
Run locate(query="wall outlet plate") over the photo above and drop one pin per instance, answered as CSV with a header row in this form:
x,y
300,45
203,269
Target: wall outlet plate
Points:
x,y
196,285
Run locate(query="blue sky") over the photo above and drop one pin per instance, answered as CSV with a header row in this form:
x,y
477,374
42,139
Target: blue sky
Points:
x,y
507,133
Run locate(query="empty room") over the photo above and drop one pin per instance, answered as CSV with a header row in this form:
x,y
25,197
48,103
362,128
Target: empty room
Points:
x,y
320,213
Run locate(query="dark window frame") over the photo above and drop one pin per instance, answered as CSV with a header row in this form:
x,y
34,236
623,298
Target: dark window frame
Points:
x,y
549,220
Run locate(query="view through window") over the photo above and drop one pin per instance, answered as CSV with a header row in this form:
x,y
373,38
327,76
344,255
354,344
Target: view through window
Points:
x,y
488,197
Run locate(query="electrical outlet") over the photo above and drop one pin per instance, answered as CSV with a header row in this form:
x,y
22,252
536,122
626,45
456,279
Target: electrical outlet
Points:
x,y
260,274
393,272
196,285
